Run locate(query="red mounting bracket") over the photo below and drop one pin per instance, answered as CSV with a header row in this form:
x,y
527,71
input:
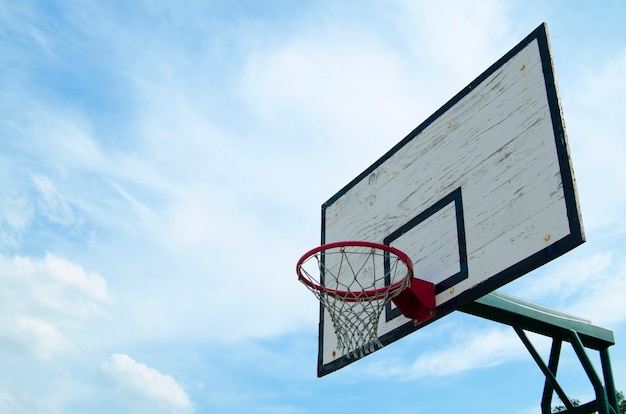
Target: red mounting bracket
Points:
x,y
417,302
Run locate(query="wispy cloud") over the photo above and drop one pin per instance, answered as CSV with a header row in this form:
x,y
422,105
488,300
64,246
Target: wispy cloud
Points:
x,y
16,215
481,350
470,351
569,278
53,205
135,380
586,286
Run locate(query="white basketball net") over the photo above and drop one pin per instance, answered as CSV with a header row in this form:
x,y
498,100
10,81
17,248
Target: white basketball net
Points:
x,y
349,272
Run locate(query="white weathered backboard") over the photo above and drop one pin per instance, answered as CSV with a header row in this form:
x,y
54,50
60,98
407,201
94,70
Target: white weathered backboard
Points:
x,y
478,195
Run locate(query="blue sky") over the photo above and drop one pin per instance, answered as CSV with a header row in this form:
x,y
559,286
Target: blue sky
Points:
x,y
162,168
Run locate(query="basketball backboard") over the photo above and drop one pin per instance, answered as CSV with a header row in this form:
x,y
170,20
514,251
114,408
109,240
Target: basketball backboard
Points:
x,y
479,194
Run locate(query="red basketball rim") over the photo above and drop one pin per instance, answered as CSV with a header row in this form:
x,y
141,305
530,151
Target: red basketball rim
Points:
x,y
349,296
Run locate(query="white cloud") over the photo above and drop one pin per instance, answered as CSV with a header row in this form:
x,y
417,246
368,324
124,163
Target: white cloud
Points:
x,y
75,277
41,338
138,380
331,103
55,284
339,83
480,350
601,299
474,349
44,302
569,278
453,34
588,286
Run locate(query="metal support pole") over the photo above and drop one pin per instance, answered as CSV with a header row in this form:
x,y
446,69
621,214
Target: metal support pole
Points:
x,y
550,378
611,391
553,364
601,398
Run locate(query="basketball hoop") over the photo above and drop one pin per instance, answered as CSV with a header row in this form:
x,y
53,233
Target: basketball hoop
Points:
x,y
354,281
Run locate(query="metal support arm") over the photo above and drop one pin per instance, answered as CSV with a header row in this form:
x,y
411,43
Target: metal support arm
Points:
x,y
561,327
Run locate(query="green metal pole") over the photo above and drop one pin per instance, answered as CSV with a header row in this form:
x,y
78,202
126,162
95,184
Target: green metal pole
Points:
x,y
609,383
601,397
553,364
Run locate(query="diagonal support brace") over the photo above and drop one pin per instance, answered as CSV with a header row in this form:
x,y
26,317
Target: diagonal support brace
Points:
x,y
550,378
